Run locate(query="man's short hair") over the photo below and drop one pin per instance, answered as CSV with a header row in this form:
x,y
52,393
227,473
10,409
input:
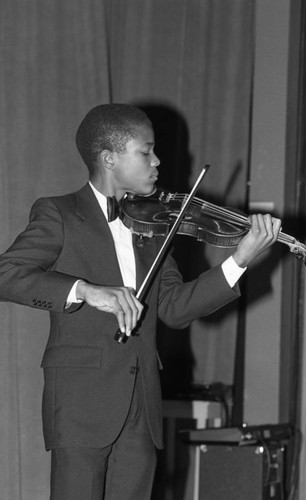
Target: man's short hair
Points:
x,y
108,126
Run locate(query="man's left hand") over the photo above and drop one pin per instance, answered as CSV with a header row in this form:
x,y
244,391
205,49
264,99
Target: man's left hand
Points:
x,y
263,233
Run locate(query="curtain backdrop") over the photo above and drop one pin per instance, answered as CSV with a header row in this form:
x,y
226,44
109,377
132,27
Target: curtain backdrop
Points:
x,y
189,64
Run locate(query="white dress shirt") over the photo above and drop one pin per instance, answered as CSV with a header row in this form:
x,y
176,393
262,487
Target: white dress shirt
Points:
x,y
123,243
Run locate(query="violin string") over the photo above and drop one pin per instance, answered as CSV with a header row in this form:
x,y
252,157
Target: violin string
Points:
x,y
231,216
218,211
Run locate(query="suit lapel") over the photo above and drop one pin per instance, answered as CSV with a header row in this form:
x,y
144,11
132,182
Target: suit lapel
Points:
x,y
97,239
144,256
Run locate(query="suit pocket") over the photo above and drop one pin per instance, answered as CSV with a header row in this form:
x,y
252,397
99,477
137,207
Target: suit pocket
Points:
x,y
72,356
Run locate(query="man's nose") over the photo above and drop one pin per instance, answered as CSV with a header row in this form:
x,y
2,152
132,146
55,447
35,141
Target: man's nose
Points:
x,y
155,161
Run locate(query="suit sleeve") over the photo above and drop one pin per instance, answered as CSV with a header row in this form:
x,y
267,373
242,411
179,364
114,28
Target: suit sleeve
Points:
x,y
180,303
27,273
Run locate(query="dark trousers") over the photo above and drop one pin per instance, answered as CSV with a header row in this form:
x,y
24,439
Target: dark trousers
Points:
x,y
122,471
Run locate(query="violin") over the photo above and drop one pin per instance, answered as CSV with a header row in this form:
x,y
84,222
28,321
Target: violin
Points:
x,y
167,214
154,215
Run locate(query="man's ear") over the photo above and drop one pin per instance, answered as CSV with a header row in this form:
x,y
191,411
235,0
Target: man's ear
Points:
x,y
107,159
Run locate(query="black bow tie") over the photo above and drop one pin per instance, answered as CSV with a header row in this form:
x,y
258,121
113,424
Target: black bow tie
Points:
x,y
113,208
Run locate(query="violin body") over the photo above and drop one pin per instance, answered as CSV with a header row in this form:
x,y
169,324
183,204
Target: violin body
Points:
x,y
155,215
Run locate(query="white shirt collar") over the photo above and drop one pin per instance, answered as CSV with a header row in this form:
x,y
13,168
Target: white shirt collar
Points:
x,y
101,199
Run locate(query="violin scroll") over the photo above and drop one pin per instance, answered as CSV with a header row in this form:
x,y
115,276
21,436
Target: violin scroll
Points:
x,y
297,248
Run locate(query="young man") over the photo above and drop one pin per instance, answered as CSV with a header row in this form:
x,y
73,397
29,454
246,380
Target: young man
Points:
x,y
102,413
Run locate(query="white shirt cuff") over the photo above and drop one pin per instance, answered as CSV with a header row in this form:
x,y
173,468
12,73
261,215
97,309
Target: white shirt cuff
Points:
x,y
232,271
72,298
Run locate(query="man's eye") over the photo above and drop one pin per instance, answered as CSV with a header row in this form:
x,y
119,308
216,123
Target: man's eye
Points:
x,y
145,153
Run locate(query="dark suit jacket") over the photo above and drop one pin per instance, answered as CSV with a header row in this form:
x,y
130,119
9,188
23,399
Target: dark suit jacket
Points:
x,y
89,378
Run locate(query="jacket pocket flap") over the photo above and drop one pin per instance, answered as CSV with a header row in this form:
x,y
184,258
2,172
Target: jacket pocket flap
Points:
x,y
72,356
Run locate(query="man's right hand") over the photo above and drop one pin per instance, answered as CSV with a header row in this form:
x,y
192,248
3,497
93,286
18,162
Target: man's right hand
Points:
x,y
120,301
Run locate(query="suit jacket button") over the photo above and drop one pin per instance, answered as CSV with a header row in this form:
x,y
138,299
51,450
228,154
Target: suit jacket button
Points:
x,y
133,369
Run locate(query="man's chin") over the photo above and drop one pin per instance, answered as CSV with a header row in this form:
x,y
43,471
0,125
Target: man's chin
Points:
x,y
145,192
